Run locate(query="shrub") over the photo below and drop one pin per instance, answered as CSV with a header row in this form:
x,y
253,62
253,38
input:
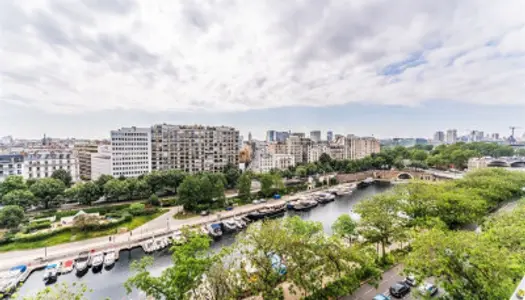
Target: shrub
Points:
x,y
37,226
136,209
114,215
154,200
39,236
172,201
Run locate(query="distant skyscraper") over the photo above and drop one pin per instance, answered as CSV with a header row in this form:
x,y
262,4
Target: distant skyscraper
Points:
x,y
495,136
452,136
315,136
249,136
329,136
439,137
270,136
281,136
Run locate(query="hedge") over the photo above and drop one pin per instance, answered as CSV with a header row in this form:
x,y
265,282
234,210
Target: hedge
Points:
x,y
39,236
104,226
37,225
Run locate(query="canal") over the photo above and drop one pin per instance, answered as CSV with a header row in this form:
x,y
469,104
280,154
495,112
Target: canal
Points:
x,y
110,283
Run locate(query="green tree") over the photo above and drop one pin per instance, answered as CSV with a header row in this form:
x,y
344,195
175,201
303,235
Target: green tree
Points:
x,y
137,188
324,159
63,176
154,200
88,192
11,216
136,208
60,291
116,190
267,184
101,181
419,155
189,193
301,172
244,186
30,182
465,264
48,190
172,179
381,221
156,181
232,174
22,198
345,227
190,261
12,183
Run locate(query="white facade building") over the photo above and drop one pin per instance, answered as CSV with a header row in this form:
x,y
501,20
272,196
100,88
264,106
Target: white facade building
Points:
x,y
11,164
130,152
268,161
101,162
452,136
42,163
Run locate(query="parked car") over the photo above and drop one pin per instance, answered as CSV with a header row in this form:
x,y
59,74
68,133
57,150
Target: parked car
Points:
x,y
428,289
381,297
411,280
399,289
256,202
228,208
262,200
204,213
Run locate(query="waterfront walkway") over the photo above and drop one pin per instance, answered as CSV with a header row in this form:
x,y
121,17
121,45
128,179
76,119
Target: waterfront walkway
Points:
x,y
162,225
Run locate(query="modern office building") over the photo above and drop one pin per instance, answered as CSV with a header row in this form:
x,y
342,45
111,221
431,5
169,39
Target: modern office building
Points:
x,y
130,152
101,162
452,136
329,136
194,148
11,164
315,136
42,163
281,136
439,137
270,136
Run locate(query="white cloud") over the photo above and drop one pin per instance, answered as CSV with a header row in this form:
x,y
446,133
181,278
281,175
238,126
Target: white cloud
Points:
x,y
77,56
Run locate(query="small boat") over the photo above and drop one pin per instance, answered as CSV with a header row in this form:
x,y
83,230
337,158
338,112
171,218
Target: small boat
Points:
x,y
159,244
214,230
246,220
266,212
67,266
9,280
110,258
149,246
97,261
305,205
240,222
229,225
292,204
323,198
368,181
83,261
50,273
178,238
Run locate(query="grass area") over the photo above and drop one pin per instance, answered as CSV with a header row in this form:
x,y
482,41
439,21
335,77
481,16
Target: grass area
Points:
x,y
184,216
73,236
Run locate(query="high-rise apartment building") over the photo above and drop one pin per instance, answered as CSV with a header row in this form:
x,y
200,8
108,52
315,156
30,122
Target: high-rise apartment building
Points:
x,y
439,137
452,136
364,146
130,152
194,148
295,147
315,136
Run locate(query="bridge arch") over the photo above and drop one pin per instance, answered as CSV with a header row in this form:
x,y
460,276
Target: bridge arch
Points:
x,y
404,176
518,164
497,163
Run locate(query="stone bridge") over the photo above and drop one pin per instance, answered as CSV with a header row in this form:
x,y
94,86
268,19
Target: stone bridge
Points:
x,y
389,175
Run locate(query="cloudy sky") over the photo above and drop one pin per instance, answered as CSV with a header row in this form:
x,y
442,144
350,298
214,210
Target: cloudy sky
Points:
x,y
369,67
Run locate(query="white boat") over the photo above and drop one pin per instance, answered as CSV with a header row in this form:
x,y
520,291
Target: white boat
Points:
x,y
230,225
214,230
97,260
239,222
177,237
9,280
149,246
159,244
67,266
83,261
50,273
324,197
110,258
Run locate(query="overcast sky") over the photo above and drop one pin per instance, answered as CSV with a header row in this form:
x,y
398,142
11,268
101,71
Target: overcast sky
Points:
x,y
369,67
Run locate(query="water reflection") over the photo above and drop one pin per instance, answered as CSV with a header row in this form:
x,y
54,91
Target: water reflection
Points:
x,y
110,283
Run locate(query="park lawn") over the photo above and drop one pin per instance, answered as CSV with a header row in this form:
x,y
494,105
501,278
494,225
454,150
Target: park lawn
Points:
x,y
187,215
71,236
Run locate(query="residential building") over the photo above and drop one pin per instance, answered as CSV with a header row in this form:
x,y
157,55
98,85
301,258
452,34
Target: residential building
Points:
x,y
298,134
277,148
363,146
281,136
315,136
439,138
452,136
11,164
83,153
194,148
295,147
316,151
130,151
265,162
270,136
42,163
329,136
100,162
283,161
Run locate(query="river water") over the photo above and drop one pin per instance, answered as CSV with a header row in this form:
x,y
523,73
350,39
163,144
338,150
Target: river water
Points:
x,y
110,283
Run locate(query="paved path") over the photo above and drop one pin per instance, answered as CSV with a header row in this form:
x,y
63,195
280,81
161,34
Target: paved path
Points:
x,y
157,226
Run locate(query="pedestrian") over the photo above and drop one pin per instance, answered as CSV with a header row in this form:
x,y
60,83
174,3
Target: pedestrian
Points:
x,y
131,233
110,239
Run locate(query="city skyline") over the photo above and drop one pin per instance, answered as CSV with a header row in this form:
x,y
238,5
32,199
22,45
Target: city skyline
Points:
x,y
369,68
